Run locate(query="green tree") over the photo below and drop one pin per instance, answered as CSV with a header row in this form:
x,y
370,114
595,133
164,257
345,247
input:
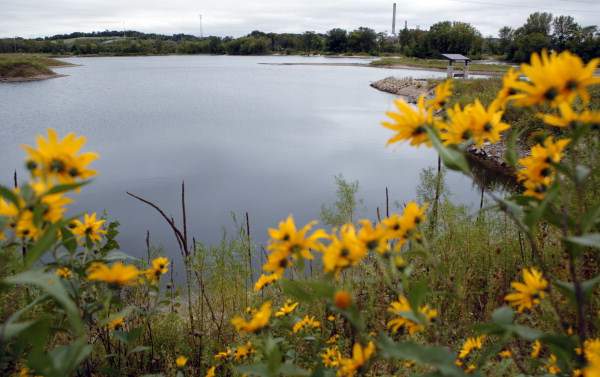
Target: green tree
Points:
x,y
336,40
362,39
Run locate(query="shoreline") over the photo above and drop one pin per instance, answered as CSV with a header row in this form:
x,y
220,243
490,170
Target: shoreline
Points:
x,y
31,78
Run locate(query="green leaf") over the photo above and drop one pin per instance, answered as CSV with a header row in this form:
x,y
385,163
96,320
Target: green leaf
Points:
x,y
437,357
416,294
116,255
503,316
568,288
453,158
43,244
511,155
50,284
590,218
289,369
139,349
586,240
10,330
9,195
536,212
68,239
66,187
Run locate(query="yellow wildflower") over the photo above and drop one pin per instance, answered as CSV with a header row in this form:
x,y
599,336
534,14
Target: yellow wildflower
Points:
x,y
160,266
259,320
536,348
306,322
591,349
331,357
470,345
442,92
242,352
555,78
331,318
401,307
223,355
286,309
265,280
474,122
60,159
343,251
211,372
529,293
552,365
505,354
505,94
360,356
373,237
64,272
90,227
287,241
53,204
333,339
342,299
181,361
118,273
116,323
409,123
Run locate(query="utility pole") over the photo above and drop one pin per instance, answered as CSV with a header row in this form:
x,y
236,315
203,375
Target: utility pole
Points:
x,y
394,21
201,30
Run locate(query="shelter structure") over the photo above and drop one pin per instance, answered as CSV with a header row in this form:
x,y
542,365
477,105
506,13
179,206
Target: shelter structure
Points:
x,y
457,58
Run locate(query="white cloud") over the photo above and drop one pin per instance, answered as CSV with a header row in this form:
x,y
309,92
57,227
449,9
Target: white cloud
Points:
x,y
33,18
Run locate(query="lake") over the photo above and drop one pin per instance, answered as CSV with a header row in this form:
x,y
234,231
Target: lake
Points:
x,y
266,139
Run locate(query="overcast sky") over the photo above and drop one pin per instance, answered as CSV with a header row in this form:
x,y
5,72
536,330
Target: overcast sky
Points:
x,y
34,18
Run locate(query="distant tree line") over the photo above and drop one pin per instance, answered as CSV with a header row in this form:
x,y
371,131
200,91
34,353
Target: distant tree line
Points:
x,y
540,31
543,31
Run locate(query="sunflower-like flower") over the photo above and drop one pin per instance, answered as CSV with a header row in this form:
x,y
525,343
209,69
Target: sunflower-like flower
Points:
x,y
410,123
117,274
538,173
244,351
64,272
286,309
306,322
373,237
116,323
568,117
555,78
265,280
288,242
402,227
468,347
223,355
181,361
159,267
536,349
59,159
591,352
552,365
211,371
54,205
401,307
474,122
507,92
331,357
441,94
349,367
528,293
90,227
259,320
343,251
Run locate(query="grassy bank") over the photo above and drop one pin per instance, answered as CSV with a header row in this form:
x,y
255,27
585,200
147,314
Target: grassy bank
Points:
x,y
27,66
402,61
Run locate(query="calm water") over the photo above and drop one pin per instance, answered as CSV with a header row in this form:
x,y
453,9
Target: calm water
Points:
x,y
244,136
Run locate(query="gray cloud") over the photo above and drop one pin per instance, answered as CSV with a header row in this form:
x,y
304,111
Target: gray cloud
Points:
x,y
33,18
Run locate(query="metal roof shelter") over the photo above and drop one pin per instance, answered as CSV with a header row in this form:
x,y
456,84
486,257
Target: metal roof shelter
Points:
x,y
457,58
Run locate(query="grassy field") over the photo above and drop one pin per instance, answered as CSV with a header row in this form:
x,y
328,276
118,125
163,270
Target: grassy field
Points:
x,y
14,66
436,64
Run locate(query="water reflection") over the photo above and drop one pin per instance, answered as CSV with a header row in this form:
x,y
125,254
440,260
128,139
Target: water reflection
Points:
x,y
245,137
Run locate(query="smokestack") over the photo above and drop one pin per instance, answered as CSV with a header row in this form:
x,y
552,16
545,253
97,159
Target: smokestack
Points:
x,y
394,21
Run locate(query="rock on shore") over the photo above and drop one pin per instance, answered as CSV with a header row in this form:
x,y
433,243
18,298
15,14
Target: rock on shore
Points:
x,y
407,87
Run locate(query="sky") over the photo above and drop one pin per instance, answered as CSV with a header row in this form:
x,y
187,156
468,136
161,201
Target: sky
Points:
x,y
38,18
